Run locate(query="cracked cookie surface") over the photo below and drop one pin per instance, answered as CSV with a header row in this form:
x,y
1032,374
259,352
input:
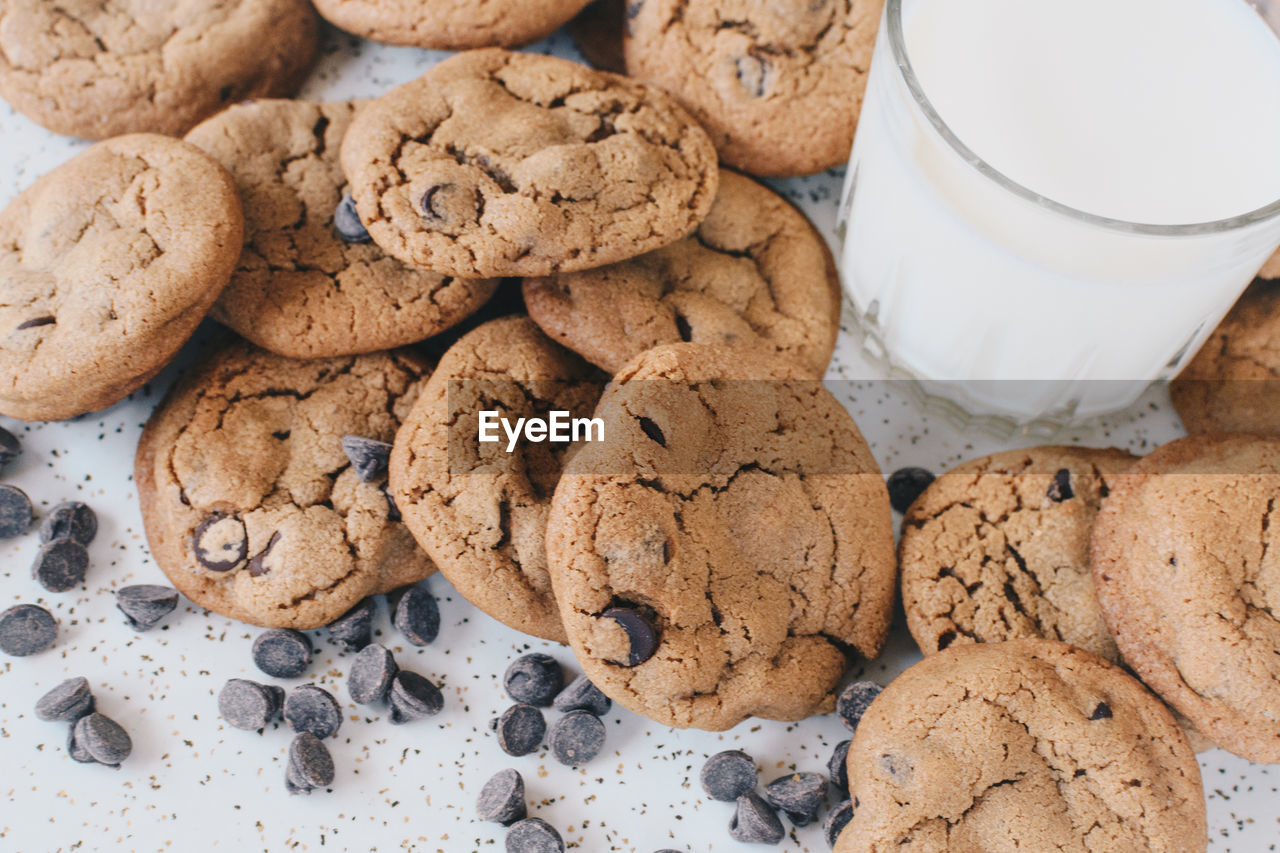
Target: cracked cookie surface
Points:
x,y
998,549
1186,568
755,274
729,537
107,265
97,69
496,163
1024,745
450,24
300,288
250,504
480,512
777,85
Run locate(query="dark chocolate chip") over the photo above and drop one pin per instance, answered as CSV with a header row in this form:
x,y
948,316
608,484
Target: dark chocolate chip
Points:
x,y
1101,712
582,695
312,709
838,767
346,221
417,616
145,604
728,775
907,484
653,431
800,795
258,562
103,738
533,835
221,543
393,511
15,512
26,629
683,328
413,697
75,748
368,456
1060,488
534,679
754,74
520,729
10,447
310,764
837,819
576,738
282,652
854,701
36,322
60,565
501,799
68,702
70,520
247,704
354,629
640,631
755,822
371,674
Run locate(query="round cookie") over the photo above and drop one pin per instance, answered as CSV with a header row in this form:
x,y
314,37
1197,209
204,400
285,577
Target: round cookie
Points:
x,y
250,503
108,264
1183,559
479,511
597,33
1233,383
496,163
1024,745
450,24
301,289
729,538
755,274
998,549
777,85
97,69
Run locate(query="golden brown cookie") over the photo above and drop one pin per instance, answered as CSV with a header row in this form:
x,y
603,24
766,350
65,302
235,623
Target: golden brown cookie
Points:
x,y
755,274
108,263
715,555
1029,745
998,549
310,282
450,24
479,510
1184,561
496,163
251,504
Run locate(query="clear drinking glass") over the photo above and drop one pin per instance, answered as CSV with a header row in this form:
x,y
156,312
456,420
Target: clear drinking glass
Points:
x,y
1004,301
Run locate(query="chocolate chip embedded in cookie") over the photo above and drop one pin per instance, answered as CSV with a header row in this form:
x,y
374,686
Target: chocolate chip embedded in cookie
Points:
x,y
755,274
998,549
715,555
1183,559
251,505
1027,745
450,24
98,69
777,85
597,33
108,264
480,511
496,163
309,283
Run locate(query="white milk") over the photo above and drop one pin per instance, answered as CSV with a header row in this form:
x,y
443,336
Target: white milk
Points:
x,y
1161,112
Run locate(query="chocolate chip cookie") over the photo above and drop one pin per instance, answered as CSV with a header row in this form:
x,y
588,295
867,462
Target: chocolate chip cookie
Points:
x,y
1183,559
479,511
729,538
251,504
108,264
99,69
496,163
597,33
777,85
450,24
310,283
1024,745
755,274
998,549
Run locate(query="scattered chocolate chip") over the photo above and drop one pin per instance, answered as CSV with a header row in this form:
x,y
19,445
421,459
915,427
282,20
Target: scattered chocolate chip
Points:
x,y
838,767
683,328
907,484
520,729
220,543
728,775
393,511
247,704
103,738
1102,712
76,749
282,652
354,629
310,764
533,835
755,822
576,738
69,520
312,709
15,512
371,674
534,679
368,456
60,565
346,221
800,795
854,701
417,616
653,431
26,629
1060,488
145,604
501,799
258,562
10,447
68,702
837,819
36,322
582,695
640,631
413,697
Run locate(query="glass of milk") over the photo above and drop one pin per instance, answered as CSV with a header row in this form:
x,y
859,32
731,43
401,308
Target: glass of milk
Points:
x,y
1051,203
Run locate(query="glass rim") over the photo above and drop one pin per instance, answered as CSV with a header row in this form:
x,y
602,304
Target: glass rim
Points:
x,y
897,42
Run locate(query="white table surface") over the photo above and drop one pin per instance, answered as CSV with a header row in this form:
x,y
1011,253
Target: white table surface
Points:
x,y
194,783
